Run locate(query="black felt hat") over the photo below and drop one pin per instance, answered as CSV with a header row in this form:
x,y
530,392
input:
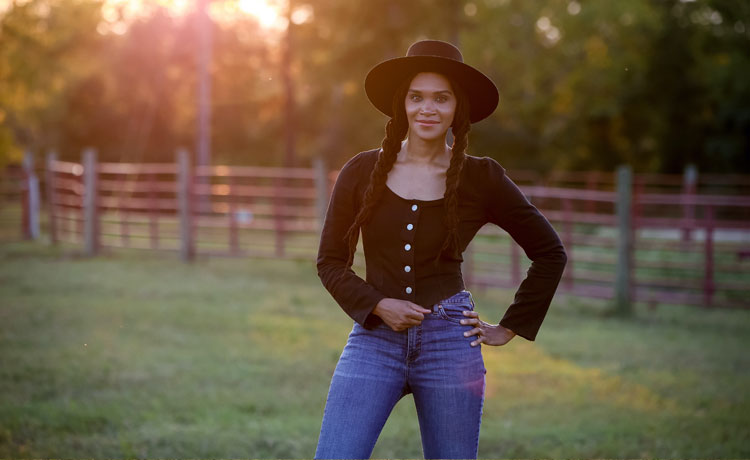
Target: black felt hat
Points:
x,y
431,56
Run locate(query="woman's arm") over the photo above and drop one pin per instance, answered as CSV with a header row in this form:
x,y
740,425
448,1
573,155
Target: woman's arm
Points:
x,y
508,208
355,296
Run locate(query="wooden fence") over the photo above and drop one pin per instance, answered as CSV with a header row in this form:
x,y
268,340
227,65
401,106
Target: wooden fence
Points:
x,y
19,185
627,238
207,210
671,248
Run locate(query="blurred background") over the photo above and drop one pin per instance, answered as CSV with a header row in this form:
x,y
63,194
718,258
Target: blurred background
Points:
x,y
584,85
137,135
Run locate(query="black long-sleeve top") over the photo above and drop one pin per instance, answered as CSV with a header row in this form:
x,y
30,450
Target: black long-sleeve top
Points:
x,y
403,236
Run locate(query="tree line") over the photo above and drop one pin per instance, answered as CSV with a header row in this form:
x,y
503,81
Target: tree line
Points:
x,y
583,85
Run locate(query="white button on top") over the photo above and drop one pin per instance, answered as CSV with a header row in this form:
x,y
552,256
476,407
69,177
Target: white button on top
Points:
x,y
414,207
407,269
407,246
408,289
409,226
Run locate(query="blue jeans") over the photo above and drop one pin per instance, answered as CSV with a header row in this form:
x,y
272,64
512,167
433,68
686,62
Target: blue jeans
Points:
x,y
433,361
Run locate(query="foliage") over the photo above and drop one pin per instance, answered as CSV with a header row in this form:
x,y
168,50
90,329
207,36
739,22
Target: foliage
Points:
x,y
45,50
584,85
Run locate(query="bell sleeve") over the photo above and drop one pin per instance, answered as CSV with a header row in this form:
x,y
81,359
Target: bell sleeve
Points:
x,y
508,208
353,294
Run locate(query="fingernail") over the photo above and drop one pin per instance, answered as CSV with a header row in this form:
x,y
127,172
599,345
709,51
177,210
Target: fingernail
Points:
x,y
466,334
462,321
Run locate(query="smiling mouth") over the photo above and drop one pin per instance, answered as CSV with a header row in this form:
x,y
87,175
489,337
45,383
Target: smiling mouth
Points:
x,y
424,122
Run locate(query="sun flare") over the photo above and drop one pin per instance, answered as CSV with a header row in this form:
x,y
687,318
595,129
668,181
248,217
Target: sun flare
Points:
x,y
270,14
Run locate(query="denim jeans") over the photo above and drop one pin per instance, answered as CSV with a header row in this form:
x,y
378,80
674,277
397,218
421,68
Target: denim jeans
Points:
x,y
433,361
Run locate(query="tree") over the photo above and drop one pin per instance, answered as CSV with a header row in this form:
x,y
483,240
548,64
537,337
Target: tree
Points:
x,y
44,52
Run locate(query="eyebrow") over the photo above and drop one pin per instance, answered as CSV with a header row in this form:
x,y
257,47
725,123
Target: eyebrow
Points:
x,y
447,91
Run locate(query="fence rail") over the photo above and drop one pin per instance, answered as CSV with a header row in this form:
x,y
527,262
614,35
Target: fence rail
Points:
x,y
680,247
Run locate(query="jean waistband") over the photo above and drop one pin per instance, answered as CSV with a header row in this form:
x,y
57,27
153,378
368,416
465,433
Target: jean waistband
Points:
x,y
461,297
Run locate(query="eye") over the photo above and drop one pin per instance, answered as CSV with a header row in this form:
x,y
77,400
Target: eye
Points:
x,y
442,99
415,98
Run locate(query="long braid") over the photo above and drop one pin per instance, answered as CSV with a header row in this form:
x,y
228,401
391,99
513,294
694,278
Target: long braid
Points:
x,y
461,127
395,132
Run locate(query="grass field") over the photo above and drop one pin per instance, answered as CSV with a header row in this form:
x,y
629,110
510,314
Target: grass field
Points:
x,y
135,354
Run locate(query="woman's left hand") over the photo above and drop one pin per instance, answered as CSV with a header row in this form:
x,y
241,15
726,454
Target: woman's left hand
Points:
x,y
486,333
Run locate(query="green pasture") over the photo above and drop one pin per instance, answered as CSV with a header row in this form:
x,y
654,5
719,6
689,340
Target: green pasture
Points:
x,y
134,354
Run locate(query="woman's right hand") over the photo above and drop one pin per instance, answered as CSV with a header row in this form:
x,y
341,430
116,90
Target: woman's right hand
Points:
x,y
400,314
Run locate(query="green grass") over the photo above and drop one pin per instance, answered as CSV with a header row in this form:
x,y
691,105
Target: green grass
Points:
x,y
134,354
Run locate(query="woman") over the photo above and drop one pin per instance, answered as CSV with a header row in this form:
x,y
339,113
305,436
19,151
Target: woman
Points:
x,y
418,203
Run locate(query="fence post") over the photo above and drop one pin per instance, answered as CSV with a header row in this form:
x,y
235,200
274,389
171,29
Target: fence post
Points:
x,y
51,195
90,203
31,213
278,215
25,231
689,187
123,210
708,282
153,212
321,189
184,181
234,240
623,280
568,276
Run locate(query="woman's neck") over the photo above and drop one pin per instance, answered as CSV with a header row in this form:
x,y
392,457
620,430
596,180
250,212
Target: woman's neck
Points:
x,y
421,151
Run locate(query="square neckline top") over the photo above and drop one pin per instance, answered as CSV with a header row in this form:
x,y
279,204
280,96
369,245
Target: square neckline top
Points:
x,y
404,235
414,200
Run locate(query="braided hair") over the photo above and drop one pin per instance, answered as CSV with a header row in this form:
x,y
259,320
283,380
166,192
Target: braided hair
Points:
x,y
395,132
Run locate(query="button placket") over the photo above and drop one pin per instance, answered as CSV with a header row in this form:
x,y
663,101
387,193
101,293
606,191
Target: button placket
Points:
x,y
407,250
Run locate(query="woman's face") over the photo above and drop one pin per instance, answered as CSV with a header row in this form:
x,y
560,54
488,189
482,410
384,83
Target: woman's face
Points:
x,y
430,106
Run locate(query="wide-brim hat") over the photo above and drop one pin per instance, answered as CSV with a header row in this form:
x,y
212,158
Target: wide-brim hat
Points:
x,y
431,56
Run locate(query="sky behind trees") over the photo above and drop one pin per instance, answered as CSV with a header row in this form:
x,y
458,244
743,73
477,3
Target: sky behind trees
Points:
x,y
583,85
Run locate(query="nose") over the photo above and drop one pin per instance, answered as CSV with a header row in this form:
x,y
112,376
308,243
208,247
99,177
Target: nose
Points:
x,y
428,107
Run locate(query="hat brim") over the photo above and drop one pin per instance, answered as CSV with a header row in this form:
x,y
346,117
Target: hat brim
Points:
x,y
383,80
